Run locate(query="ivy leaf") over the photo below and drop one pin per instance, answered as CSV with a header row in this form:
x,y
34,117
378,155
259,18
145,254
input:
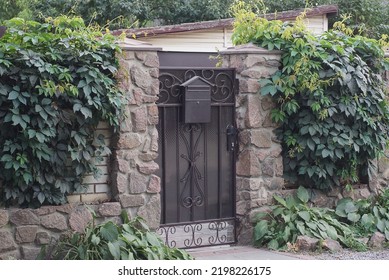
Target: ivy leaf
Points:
x,y
86,112
269,89
13,95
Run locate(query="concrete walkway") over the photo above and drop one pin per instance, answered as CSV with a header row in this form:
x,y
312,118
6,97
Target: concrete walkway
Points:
x,y
242,253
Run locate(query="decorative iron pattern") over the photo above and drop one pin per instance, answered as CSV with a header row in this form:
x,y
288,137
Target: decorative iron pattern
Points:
x,y
222,81
199,233
187,132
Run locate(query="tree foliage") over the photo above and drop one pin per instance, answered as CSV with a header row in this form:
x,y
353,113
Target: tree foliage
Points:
x,y
371,17
331,99
123,13
56,84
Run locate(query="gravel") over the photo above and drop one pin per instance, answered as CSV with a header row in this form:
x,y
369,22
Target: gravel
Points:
x,y
346,254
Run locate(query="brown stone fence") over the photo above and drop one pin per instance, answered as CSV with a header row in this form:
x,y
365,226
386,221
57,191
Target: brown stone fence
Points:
x,y
129,182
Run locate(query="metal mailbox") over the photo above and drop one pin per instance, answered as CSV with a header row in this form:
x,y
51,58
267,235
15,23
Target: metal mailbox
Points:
x,y
197,100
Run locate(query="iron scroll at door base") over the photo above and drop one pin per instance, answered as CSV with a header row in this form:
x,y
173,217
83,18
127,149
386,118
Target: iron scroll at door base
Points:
x,y
199,234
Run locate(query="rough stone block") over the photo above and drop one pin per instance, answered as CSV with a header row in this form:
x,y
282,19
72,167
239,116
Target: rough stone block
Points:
x,y
154,185
242,207
151,60
331,245
151,212
120,182
44,210
154,140
254,60
131,200
249,86
248,164
24,217
376,240
79,219
95,198
123,166
148,167
139,119
253,117
255,72
25,234
7,242
153,114
42,238
54,221
261,138
110,209
306,243
30,253
13,255
276,184
268,167
140,77
129,141
4,217
148,156
138,183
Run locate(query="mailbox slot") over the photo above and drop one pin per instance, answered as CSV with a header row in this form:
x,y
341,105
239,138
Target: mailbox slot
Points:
x,y
197,100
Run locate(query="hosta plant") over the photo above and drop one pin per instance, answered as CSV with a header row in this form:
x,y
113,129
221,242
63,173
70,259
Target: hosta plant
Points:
x,y
131,240
293,216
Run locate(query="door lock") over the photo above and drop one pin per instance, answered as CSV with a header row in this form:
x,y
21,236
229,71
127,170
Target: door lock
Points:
x,y
232,135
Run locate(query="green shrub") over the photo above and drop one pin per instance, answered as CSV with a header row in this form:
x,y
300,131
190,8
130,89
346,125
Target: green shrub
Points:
x,y
330,98
366,215
57,82
292,217
131,240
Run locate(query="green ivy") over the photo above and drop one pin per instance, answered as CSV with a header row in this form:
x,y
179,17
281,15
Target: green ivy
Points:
x,y
57,82
332,107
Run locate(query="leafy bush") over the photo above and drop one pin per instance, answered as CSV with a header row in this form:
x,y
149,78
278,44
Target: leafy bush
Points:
x,y
331,98
292,217
109,241
366,215
56,84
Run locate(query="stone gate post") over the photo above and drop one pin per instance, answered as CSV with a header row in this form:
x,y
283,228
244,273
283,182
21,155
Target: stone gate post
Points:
x,y
259,166
136,145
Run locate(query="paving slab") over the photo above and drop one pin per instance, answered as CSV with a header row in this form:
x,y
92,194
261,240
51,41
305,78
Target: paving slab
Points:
x,y
242,253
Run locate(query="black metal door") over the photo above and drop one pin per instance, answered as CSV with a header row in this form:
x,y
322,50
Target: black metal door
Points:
x,y
197,162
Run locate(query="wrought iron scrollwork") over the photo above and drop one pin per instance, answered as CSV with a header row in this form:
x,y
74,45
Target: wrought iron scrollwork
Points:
x,y
217,226
222,84
199,234
165,232
192,174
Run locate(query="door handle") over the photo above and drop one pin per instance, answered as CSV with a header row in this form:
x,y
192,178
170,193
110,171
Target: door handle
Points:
x,y
232,134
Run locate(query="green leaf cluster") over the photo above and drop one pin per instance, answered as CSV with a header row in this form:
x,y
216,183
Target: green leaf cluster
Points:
x,y
366,215
292,216
131,240
331,99
57,82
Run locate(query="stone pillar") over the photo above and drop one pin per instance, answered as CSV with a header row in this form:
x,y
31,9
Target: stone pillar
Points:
x,y
259,168
136,145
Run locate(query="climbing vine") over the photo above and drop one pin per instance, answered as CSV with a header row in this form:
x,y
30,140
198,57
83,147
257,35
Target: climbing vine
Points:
x,y
57,82
331,102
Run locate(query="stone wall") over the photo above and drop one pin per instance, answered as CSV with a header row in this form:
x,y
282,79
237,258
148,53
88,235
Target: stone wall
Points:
x,y
130,185
259,166
24,231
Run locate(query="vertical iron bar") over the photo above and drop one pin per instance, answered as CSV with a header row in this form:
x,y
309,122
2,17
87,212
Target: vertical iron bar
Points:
x,y
191,182
220,166
163,180
178,205
205,172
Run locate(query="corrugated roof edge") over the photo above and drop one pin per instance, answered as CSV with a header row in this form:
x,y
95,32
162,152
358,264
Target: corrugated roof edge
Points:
x,y
329,10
